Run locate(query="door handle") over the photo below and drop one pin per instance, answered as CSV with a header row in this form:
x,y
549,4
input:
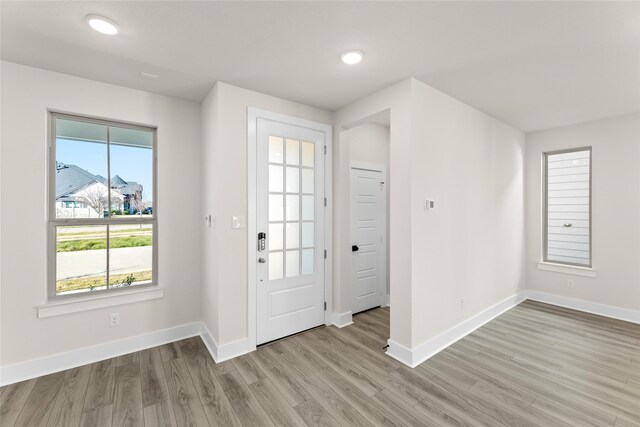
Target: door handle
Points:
x,y
355,248
262,260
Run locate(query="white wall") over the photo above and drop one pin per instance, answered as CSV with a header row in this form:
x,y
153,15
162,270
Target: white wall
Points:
x,y
225,153
615,146
472,244
27,93
369,143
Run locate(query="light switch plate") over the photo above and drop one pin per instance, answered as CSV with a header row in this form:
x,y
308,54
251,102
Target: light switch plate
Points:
x,y
237,222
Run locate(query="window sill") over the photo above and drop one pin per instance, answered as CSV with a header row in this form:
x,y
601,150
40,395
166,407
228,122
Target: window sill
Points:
x,y
67,306
567,269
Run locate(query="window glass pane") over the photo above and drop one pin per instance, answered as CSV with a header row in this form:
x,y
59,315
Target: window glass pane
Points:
x,y
276,149
275,207
293,180
293,235
130,254
568,204
276,267
308,208
293,208
275,236
81,258
293,152
308,154
131,162
307,181
275,179
293,263
308,230
81,170
308,261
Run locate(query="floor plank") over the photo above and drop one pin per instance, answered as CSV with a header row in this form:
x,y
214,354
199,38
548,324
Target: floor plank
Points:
x,y
184,397
128,409
160,415
13,399
101,385
67,409
39,405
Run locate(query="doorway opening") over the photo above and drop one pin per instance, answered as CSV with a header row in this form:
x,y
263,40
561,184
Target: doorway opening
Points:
x,y
368,147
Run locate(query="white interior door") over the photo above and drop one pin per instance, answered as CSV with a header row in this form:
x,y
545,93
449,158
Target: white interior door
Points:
x,y
368,237
290,211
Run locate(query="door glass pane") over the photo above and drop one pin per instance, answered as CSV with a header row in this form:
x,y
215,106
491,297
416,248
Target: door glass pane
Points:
x,y
293,152
276,149
275,265
307,181
131,161
130,254
307,261
293,235
293,208
81,259
293,261
275,179
275,207
308,154
308,230
275,236
293,180
81,170
308,208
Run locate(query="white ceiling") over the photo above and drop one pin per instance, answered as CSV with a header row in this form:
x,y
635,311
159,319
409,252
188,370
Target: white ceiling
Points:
x,y
534,65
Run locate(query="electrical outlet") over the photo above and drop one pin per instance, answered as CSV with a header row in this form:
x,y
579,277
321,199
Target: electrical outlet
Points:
x,y
570,284
114,320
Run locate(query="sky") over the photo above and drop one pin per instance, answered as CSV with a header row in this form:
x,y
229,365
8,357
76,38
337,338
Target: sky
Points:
x,y
131,163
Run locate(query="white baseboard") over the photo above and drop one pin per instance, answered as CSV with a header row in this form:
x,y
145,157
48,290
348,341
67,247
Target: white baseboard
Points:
x,y
586,306
342,320
418,354
400,353
223,352
59,362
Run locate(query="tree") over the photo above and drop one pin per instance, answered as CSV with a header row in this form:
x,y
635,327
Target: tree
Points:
x,y
96,197
139,202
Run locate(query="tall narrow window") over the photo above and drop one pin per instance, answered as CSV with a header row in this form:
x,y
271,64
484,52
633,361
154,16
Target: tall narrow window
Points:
x,y
567,228
101,211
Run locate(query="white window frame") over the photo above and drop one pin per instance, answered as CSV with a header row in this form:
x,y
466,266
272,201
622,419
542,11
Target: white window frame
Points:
x,y
545,211
54,222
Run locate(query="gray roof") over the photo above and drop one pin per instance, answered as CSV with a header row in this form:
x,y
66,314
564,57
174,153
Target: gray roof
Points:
x,y
117,182
70,179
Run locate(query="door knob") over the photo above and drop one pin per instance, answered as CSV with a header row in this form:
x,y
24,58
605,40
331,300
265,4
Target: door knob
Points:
x,y
262,260
355,248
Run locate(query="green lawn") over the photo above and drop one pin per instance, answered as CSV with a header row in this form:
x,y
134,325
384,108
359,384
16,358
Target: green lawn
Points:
x,y
97,281
67,232
114,242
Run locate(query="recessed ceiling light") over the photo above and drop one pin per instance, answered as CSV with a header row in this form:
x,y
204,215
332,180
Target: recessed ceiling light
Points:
x,y
102,25
352,57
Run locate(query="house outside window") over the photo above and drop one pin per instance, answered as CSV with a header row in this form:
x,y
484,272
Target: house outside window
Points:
x,y
102,221
567,207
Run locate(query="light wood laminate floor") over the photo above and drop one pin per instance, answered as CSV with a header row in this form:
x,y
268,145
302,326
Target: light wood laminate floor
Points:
x,y
534,365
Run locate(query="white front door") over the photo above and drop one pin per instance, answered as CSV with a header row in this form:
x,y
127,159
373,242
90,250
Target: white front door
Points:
x,y
290,212
368,237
